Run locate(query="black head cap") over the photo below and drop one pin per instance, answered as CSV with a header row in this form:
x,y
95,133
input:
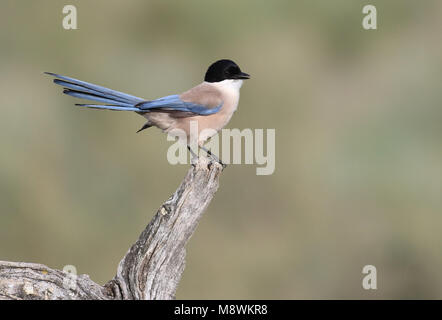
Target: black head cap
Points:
x,y
223,70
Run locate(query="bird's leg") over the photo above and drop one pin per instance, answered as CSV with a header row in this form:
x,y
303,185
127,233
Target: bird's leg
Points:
x,y
194,155
214,157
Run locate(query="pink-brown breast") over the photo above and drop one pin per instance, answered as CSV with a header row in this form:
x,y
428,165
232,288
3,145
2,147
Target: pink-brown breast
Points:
x,y
205,94
211,96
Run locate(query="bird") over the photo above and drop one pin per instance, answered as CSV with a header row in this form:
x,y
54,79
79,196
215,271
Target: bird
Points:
x,y
211,103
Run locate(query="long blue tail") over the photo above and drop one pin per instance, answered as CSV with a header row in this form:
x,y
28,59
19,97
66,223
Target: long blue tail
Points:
x,y
110,99
116,100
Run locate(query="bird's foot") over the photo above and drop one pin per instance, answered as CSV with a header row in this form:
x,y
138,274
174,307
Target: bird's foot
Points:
x,y
215,159
194,161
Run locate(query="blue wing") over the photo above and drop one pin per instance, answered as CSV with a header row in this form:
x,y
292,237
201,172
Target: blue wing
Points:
x,y
174,103
119,101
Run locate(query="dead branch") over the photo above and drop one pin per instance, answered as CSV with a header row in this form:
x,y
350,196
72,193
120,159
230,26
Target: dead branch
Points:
x,y
152,267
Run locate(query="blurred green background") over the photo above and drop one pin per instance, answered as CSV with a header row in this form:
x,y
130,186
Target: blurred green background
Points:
x,y
357,114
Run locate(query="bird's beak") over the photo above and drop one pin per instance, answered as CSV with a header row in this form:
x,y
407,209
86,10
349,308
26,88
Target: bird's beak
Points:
x,y
242,75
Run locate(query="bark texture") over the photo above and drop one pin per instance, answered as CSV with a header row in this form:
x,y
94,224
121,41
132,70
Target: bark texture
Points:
x,y
152,267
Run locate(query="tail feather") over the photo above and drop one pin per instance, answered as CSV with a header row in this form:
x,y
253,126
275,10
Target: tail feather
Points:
x,y
108,107
88,96
78,88
113,100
